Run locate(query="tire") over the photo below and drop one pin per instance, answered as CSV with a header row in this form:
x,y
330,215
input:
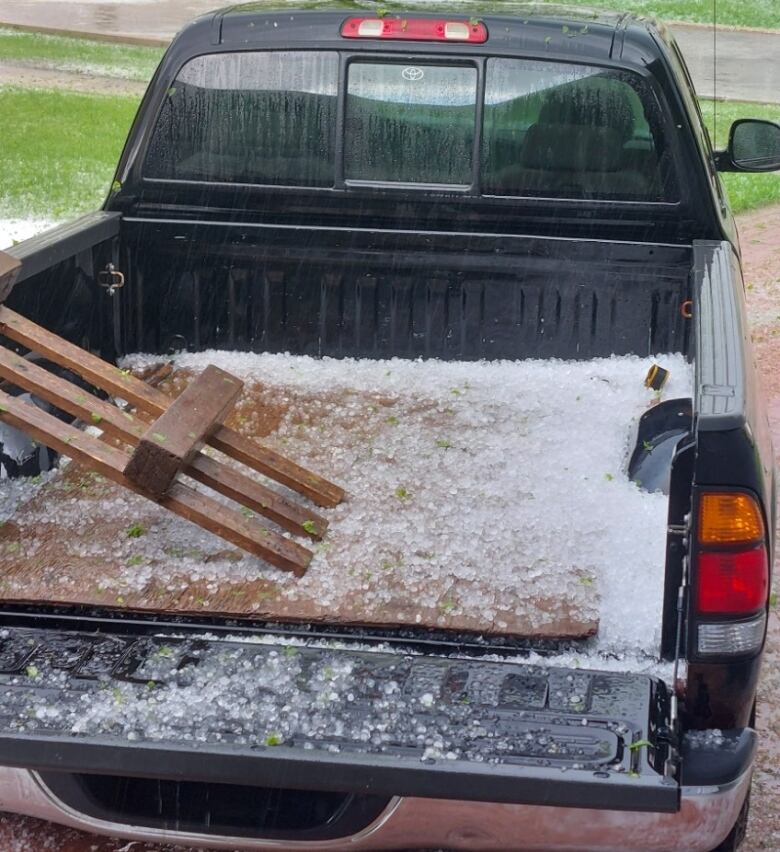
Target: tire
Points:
x,y
737,834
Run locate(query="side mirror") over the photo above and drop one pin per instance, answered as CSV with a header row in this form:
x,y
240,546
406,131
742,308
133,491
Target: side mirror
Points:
x,y
754,146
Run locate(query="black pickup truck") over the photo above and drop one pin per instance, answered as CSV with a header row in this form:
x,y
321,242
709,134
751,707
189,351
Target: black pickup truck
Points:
x,y
459,183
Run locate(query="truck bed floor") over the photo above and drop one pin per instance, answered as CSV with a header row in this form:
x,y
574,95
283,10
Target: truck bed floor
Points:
x,y
481,497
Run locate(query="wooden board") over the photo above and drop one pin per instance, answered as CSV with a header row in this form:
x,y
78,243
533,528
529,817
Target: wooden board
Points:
x,y
53,560
71,545
122,384
172,441
110,462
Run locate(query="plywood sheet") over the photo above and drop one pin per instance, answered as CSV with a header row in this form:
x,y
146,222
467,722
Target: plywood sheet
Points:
x,y
426,537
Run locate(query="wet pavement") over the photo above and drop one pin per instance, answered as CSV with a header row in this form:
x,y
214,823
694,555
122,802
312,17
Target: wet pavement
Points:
x,y
23,834
146,19
747,67
760,239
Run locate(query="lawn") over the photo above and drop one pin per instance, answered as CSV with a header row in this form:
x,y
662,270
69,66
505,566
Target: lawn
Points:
x,y
130,62
59,151
733,13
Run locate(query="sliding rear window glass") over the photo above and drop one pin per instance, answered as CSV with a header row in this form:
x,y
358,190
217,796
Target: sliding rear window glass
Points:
x,y
408,123
572,131
263,118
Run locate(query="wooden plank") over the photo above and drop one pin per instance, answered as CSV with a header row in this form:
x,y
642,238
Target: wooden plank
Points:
x,y
120,383
158,374
407,586
256,496
30,552
109,461
129,428
173,440
9,271
69,398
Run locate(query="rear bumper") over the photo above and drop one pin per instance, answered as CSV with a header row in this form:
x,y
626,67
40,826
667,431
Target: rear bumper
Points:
x,y
705,817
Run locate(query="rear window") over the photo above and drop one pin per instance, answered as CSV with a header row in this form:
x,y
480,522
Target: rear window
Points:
x,y
549,129
571,131
410,123
266,118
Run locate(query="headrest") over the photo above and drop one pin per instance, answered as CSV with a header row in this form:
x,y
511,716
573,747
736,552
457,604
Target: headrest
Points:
x,y
593,102
572,148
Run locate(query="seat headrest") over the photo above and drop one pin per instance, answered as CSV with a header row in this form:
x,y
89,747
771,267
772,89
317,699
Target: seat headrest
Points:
x,y
590,102
572,148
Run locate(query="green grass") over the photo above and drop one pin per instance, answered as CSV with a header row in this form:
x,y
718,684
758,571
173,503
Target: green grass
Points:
x,y
764,14
59,151
745,191
75,54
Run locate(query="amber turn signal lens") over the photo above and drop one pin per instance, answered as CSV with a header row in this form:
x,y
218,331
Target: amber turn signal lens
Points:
x,y
729,518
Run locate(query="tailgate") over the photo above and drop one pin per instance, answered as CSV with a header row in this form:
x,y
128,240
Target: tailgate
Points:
x,y
263,712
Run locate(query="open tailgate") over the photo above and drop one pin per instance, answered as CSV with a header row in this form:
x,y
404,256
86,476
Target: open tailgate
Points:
x,y
260,711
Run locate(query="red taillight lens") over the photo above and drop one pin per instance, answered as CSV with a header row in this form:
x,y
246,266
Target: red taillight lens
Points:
x,y
732,582
732,568
415,29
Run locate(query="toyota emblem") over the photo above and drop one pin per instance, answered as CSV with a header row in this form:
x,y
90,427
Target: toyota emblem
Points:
x,y
413,74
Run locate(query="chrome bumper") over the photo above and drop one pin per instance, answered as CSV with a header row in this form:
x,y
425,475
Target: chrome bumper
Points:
x,y
704,819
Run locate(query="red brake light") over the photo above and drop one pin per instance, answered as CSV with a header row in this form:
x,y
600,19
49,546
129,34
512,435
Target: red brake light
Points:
x,y
415,29
732,567
732,582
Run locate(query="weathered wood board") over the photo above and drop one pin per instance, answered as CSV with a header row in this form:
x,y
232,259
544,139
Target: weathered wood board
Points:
x,y
152,401
172,441
80,539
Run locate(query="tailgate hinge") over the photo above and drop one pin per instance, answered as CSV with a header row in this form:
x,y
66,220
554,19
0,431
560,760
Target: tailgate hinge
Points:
x,y
668,735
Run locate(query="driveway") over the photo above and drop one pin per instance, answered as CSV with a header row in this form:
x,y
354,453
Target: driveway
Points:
x,y
748,67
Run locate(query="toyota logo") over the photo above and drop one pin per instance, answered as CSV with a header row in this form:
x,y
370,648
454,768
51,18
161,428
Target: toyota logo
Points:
x,y
413,74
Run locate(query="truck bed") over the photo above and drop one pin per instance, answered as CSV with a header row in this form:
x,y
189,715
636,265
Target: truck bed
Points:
x,y
481,497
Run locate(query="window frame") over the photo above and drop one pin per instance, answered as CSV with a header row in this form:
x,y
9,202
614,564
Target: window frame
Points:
x,y
412,190
707,143
337,141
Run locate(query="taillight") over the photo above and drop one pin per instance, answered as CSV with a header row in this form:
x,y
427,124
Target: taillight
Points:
x,y
415,29
731,576
729,518
732,583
